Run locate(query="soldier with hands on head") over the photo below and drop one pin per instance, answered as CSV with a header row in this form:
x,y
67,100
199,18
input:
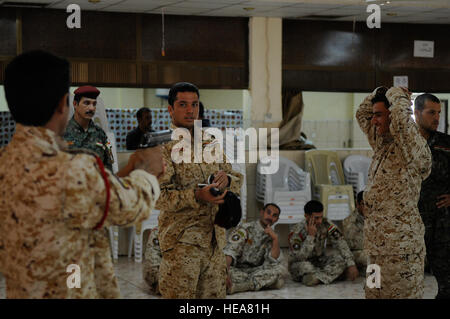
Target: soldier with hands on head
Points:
x,y
308,262
393,229
55,200
434,202
253,254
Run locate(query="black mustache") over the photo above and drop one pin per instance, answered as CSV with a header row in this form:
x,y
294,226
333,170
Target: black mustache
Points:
x,y
90,112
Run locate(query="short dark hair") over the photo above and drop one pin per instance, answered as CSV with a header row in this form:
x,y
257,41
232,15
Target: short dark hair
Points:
x,y
141,112
181,87
359,197
313,206
35,82
419,102
272,204
381,98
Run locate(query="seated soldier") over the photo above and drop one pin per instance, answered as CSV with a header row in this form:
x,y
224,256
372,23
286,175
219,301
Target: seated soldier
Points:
x,y
253,254
353,227
152,260
308,262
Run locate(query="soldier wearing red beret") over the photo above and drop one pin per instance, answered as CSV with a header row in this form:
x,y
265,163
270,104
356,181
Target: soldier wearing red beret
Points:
x,y
81,131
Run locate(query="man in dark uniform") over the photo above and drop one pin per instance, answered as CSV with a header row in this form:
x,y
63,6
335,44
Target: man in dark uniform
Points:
x,y
82,132
136,136
434,200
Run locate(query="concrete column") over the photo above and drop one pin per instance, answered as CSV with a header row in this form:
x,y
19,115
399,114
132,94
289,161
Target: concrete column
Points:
x,y
265,47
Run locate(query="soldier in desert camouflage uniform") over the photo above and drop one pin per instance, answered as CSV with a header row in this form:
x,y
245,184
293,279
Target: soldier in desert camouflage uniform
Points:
x,y
253,254
82,132
193,264
353,229
434,203
308,262
393,228
52,201
152,260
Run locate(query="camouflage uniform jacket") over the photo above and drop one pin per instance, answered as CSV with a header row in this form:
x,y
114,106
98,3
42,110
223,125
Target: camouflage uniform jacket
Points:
x,y
303,247
401,162
353,229
250,246
93,139
182,217
51,201
438,183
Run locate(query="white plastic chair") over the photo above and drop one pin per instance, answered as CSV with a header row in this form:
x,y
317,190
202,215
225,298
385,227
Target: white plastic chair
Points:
x,y
114,241
289,188
137,233
356,171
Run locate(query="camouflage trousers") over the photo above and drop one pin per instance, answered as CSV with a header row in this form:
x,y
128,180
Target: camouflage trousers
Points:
x,y
326,268
105,278
360,258
150,274
189,271
439,257
258,277
402,276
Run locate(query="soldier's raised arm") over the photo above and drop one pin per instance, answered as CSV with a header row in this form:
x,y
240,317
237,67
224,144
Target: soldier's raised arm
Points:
x,y
364,115
112,200
406,133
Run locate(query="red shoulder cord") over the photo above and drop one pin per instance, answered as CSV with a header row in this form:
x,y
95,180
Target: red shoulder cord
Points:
x,y
108,191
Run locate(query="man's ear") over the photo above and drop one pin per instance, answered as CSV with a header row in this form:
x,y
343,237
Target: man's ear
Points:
x,y
63,103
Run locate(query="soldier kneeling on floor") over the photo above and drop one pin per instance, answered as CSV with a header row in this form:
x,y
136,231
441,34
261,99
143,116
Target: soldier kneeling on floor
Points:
x,y
152,260
308,262
254,259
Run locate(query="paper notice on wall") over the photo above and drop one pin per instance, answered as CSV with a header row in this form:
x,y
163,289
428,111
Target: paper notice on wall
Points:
x,y
423,49
401,81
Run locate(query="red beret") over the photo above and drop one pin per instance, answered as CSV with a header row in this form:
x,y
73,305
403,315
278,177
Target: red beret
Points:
x,y
88,91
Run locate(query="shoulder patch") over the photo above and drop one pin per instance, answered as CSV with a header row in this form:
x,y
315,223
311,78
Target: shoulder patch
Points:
x,y
331,229
239,235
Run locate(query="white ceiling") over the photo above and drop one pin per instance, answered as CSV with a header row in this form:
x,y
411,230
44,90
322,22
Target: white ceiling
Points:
x,y
400,11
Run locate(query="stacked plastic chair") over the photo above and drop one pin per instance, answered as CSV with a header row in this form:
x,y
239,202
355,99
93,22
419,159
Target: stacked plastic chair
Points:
x,y
137,233
232,153
328,184
356,171
289,188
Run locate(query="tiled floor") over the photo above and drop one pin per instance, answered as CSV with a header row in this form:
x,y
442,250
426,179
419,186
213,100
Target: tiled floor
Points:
x,y
132,286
